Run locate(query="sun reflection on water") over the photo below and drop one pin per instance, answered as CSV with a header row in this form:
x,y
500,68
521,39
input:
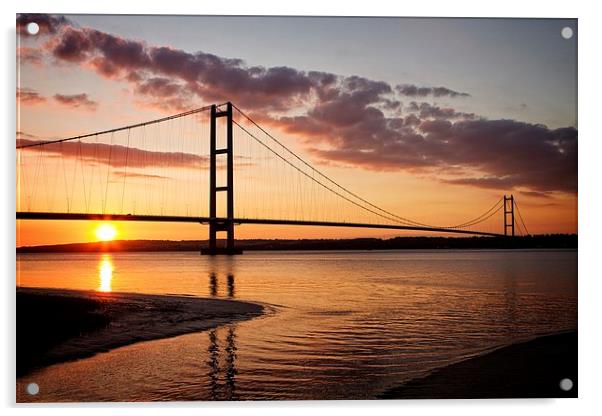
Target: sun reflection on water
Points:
x,y
105,273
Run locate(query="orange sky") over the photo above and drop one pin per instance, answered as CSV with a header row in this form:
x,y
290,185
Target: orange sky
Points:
x,y
404,167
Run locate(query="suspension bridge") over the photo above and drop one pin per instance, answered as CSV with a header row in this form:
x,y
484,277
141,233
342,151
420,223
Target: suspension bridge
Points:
x,y
182,168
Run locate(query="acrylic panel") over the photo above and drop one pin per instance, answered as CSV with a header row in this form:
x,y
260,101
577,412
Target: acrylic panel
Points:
x,y
295,208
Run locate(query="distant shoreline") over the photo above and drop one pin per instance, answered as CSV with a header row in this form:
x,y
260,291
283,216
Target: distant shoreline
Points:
x,y
531,369
547,241
58,325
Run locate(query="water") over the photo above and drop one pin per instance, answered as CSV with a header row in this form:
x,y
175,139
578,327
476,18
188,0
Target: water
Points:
x,y
338,324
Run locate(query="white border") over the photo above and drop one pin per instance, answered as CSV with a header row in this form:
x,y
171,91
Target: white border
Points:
x,y
590,288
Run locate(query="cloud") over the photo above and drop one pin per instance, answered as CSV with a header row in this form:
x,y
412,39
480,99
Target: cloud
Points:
x,y
73,45
120,156
27,96
427,110
509,154
167,72
347,120
503,154
125,174
208,76
76,101
435,126
29,55
166,105
117,156
536,194
159,87
410,90
163,93
490,182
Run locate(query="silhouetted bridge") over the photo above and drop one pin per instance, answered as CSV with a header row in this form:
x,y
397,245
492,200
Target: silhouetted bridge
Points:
x,y
156,171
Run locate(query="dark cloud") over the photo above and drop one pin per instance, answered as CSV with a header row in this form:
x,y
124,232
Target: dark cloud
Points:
x,y
117,156
208,76
505,154
120,156
121,53
427,110
73,45
160,87
435,126
152,69
163,93
509,154
76,101
411,120
27,96
490,182
343,119
410,90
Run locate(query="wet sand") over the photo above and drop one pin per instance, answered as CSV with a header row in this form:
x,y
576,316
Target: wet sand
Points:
x,y
60,325
531,369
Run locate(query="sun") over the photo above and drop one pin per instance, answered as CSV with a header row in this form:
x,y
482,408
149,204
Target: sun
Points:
x,y
106,232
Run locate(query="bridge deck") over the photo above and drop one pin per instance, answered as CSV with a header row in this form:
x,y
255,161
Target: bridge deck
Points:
x,y
206,220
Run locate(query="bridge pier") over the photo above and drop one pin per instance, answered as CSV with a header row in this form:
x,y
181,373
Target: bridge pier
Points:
x,y
221,224
216,226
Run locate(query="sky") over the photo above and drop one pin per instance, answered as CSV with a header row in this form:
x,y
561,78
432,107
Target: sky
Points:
x,y
432,119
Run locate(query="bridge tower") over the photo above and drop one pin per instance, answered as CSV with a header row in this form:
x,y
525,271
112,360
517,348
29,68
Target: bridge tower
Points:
x,y
217,224
509,214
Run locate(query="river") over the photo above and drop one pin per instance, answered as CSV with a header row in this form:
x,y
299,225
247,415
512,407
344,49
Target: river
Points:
x,y
338,325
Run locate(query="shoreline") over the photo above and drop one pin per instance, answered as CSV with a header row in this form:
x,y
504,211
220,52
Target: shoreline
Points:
x,y
547,241
528,369
59,325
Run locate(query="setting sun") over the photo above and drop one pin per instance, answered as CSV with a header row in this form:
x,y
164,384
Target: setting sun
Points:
x,y
106,232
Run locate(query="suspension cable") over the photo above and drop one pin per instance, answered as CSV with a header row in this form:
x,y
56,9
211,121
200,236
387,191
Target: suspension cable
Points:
x,y
478,219
406,220
399,218
521,218
307,175
346,194
115,130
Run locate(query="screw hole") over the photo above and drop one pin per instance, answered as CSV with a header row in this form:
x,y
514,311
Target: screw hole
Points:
x,y
33,389
566,384
33,28
566,32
